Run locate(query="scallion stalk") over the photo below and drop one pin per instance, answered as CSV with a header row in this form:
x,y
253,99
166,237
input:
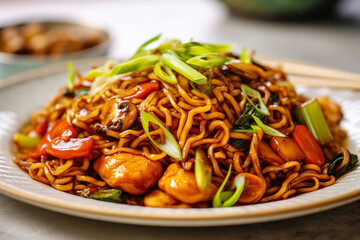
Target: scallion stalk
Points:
x,y
208,60
171,146
229,198
314,120
202,170
26,141
245,56
207,90
135,64
172,61
154,39
108,195
70,70
166,75
248,91
267,129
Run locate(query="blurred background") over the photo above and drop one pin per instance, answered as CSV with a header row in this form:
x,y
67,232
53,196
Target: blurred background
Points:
x,y
326,32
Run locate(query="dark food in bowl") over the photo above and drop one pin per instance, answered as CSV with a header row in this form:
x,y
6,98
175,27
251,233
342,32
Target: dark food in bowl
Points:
x,y
48,39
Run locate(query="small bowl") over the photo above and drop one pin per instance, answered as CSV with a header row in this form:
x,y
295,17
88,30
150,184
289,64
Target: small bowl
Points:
x,y
281,10
11,63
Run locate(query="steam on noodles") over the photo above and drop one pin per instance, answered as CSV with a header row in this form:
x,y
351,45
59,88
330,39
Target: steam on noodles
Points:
x,y
184,125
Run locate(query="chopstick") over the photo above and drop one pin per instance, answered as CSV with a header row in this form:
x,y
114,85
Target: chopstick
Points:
x,y
323,82
314,75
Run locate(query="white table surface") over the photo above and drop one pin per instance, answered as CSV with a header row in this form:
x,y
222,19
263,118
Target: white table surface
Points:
x,y
334,42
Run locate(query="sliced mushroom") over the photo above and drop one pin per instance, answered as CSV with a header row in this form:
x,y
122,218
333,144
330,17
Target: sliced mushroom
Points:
x,y
118,115
245,70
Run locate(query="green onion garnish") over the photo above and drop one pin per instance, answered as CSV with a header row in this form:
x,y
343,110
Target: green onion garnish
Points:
x,y
172,61
238,184
70,70
267,129
312,116
195,48
166,75
221,48
135,64
225,199
248,91
108,195
208,60
206,90
202,170
246,130
171,146
245,56
154,39
26,141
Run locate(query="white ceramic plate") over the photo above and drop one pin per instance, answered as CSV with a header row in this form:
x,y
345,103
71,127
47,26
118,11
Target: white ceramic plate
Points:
x,y
26,92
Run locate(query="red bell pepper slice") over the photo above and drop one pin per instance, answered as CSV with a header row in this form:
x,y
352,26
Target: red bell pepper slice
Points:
x,y
41,125
61,128
73,148
309,145
144,89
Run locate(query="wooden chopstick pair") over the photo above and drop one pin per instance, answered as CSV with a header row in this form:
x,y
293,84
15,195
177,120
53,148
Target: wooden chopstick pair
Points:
x,y
314,75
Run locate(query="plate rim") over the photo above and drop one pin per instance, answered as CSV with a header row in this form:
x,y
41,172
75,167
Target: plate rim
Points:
x,y
127,215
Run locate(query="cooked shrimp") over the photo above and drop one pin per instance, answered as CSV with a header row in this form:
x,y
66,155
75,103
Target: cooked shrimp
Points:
x,y
134,174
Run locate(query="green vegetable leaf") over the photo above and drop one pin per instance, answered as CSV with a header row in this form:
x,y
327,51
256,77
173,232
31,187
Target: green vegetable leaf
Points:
x,y
203,170
248,91
171,146
135,64
337,160
70,70
172,61
268,130
108,195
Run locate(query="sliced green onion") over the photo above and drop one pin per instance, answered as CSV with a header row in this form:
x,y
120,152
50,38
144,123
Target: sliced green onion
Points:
x,y
245,130
109,195
171,146
70,70
245,56
195,49
202,170
238,184
206,90
314,120
104,70
154,39
135,64
198,48
248,91
97,72
179,66
166,75
172,44
208,60
267,129
217,199
229,198
26,141
220,48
